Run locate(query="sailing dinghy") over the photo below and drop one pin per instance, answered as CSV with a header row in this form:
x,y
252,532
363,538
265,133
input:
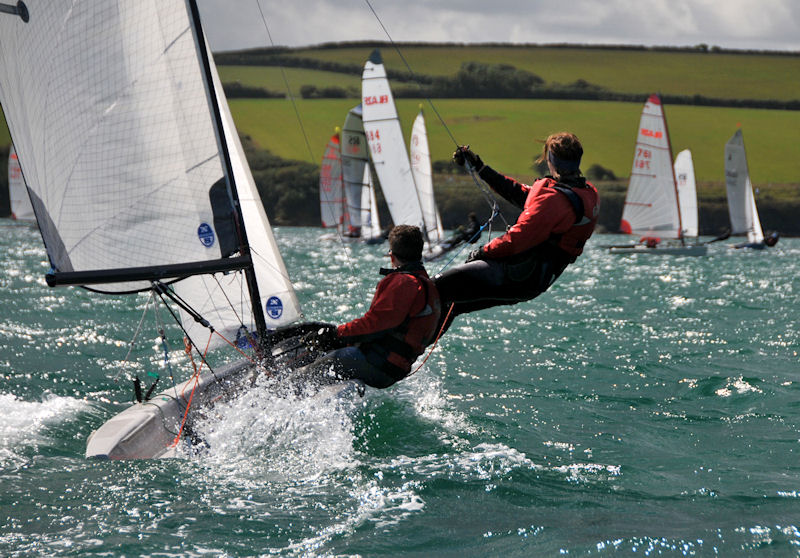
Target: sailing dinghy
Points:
x,y
139,184
741,201
21,208
653,206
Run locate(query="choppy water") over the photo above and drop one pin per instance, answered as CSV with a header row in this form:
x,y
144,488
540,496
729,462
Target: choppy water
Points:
x,y
644,406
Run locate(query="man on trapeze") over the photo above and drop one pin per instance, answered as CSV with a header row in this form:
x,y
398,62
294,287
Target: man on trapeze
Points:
x,y
559,213
380,347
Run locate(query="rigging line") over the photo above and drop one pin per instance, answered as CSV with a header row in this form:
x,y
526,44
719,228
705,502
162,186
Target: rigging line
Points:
x,y
286,83
135,337
185,333
487,194
477,235
305,137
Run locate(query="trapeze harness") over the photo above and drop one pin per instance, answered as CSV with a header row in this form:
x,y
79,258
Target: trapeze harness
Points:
x,y
395,350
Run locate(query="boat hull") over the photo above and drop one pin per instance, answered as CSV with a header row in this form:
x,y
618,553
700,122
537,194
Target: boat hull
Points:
x,y
148,430
688,250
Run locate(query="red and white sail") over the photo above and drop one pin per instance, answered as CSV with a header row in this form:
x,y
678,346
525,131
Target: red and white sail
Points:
x,y
651,205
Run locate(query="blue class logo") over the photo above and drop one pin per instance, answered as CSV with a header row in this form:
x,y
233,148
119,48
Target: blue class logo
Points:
x,y
274,307
206,235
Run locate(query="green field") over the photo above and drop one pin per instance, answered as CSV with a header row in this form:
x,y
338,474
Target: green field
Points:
x,y
271,78
725,76
504,132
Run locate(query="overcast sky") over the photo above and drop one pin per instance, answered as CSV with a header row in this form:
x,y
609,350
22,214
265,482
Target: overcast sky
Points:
x,y
741,24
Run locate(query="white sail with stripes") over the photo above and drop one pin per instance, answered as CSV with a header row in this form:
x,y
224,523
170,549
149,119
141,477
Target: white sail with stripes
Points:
x,y
687,193
370,221
21,207
423,178
387,147
651,204
741,202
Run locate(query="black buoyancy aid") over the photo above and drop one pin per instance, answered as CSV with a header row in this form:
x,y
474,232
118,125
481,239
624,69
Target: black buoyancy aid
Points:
x,y
395,350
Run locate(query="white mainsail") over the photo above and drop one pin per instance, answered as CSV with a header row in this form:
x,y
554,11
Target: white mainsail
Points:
x,y
21,207
741,202
651,205
687,193
117,139
387,147
331,186
423,178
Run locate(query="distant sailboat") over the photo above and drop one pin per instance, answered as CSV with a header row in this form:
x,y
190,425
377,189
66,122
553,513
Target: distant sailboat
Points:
x,y
21,208
332,202
387,147
741,201
652,205
687,194
358,186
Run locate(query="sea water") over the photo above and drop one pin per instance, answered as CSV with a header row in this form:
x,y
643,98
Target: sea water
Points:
x,y
644,406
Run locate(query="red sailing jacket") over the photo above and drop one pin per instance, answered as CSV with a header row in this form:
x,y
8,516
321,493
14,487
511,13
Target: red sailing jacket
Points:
x,y
546,213
400,322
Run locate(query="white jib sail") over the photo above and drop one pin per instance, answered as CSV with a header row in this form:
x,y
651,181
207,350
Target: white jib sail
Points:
x,y
651,205
331,191
687,192
21,207
224,299
387,147
423,178
741,202
355,157
370,223
116,134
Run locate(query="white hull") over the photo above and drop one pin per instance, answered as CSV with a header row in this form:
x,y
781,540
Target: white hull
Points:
x,y
147,430
677,250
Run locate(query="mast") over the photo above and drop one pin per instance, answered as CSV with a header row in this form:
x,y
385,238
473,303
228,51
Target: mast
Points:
x,y
672,167
244,247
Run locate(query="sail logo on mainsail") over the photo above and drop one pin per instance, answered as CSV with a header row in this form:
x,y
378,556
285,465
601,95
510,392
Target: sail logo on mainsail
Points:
x,y
206,235
652,133
373,100
274,307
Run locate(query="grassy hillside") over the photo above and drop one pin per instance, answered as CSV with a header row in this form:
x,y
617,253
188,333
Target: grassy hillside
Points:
x,y
720,75
504,132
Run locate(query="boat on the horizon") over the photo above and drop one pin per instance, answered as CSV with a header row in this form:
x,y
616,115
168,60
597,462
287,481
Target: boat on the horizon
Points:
x,y
741,201
659,209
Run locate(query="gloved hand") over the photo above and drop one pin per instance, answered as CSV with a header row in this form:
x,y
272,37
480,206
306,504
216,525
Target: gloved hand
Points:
x,y
464,154
476,254
321,339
